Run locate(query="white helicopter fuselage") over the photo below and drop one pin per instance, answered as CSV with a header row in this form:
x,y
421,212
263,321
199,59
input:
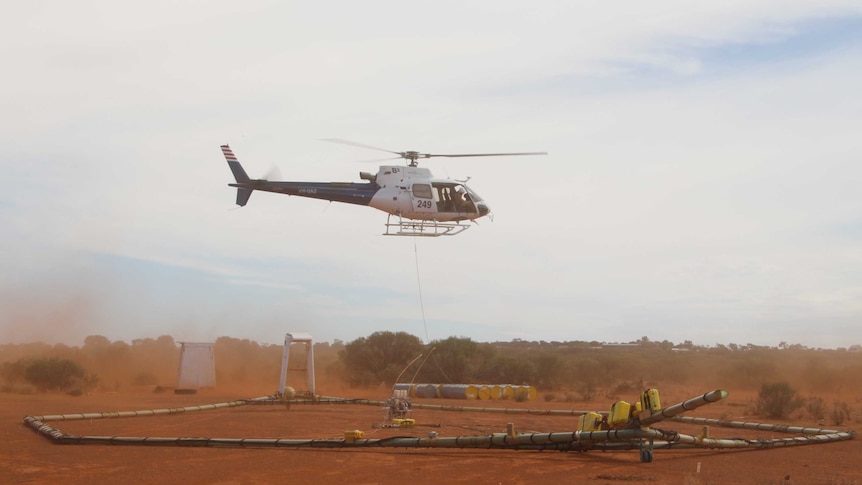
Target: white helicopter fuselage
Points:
x,y
414,193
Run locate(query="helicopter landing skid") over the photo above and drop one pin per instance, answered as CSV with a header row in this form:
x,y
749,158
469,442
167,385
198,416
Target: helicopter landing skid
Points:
x,y
423,228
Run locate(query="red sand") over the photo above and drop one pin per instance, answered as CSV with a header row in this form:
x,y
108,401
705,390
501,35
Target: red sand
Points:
x,y
29,458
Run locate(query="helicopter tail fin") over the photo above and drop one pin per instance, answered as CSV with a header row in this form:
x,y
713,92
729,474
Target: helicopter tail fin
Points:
x,y
242,196
235,167
242,193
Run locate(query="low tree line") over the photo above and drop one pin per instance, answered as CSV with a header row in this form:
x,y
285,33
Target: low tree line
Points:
x,y
582,369
380,357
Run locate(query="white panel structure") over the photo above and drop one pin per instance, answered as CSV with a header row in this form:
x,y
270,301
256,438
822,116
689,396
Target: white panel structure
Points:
x,y
292,338
197,366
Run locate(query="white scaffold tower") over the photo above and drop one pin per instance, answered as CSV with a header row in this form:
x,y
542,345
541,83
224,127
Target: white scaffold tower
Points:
x,y
295,338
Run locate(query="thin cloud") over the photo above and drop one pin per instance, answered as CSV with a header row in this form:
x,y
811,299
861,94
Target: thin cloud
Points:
x,y
701,170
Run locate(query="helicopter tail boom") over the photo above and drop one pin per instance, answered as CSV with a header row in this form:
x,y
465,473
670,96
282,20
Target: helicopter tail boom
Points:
x,y
242,193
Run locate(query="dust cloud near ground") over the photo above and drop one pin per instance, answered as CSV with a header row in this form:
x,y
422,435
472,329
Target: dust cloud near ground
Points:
x,y
562,371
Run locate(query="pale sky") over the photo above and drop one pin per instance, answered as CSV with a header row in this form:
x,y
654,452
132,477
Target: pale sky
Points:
x,y
702,181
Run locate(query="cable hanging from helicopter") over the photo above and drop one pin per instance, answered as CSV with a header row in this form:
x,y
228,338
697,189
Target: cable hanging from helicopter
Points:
x,y
422,204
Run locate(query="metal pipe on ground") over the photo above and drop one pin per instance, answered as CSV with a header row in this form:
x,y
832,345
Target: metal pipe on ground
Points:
x,y
628,438
688,405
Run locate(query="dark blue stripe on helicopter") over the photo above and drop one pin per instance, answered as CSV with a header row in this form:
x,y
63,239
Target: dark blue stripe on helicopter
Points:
x,y
348,192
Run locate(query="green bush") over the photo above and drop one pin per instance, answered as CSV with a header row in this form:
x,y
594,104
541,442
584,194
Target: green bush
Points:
x,y
777,400
378,358
54,374
14,372
816,407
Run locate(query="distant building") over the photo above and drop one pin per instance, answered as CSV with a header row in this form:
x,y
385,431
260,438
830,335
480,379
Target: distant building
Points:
x,y
620,346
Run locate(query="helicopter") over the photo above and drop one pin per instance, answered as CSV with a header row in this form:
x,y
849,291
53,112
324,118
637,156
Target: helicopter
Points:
x,y
421,204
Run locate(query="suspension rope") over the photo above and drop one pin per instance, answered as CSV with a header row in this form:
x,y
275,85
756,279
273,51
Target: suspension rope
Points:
x,y
419,285
421,365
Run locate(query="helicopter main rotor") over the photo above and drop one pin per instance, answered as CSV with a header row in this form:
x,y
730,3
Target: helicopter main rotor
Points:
x,y
413,156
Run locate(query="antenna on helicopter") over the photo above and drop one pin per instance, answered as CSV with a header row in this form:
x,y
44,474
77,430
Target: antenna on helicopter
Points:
x,y
414,156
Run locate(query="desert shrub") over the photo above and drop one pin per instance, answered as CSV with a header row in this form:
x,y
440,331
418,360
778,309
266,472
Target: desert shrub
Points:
x,y
586,390
54,374
777,400
586,373
515,370
28,374
461,360
378,358
90,381
13,372
626,387
549,370
549,396
816,407
840,412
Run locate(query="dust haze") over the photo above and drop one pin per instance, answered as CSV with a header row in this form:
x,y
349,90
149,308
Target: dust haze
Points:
x,y
246,365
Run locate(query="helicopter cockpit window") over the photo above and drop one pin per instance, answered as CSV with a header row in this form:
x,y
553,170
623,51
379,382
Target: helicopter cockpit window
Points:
x,y
473,195
422,191
454,198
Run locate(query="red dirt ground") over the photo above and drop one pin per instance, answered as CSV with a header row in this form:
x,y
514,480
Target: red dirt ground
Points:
x,y
25,457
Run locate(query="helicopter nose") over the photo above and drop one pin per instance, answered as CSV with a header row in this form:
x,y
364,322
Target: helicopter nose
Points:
x,y
484,210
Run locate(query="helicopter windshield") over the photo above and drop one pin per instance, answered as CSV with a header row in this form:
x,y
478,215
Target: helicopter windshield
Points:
x,y
473,194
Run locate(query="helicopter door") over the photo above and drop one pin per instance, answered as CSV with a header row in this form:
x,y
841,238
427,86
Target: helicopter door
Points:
x,y
423,199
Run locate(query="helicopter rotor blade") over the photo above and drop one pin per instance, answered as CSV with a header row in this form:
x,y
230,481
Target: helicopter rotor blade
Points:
x,y
456,155
361,145
413,156
376,160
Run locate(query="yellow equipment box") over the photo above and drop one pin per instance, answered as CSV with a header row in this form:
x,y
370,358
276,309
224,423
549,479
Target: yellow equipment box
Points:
x,y
590,422
353,435
650,401
404,422
620,413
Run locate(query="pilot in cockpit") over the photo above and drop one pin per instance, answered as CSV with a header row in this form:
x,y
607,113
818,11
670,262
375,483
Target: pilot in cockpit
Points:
x,y
461,199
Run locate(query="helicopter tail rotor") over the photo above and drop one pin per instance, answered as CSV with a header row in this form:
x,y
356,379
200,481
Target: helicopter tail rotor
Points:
x,y
274,173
